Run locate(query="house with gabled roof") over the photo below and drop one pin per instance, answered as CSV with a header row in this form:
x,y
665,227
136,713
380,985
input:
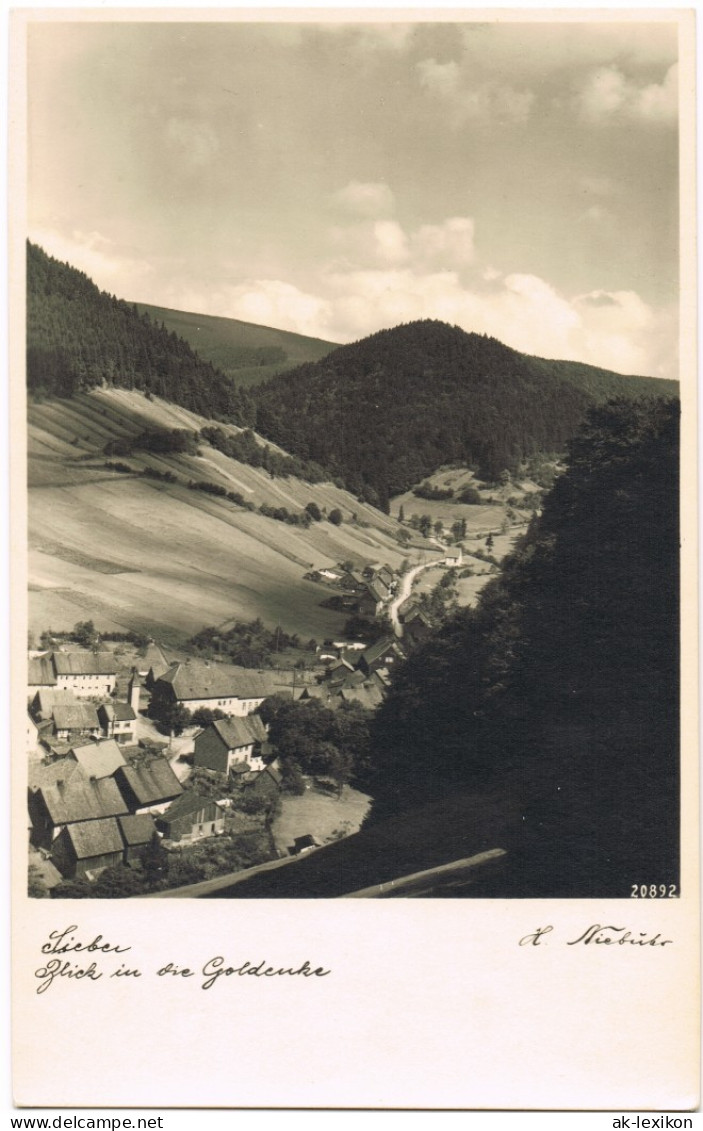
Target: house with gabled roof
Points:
x,y
148,787
117,720
384,653
224,687
192,817
71,721
49,773
83,851
152,664
98,759
416,626
86,674
46,698
373,600
71,802
228,742
367,694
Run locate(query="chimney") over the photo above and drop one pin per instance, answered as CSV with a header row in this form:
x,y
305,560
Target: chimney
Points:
x,y
134,691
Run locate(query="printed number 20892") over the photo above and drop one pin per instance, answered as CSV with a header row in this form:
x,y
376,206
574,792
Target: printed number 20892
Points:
x,y
653,891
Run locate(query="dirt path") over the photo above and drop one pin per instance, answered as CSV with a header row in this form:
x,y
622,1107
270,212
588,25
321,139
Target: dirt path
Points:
x,y
404,592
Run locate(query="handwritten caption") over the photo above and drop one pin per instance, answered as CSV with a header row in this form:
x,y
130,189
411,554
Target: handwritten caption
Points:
x,y
598,935
105,963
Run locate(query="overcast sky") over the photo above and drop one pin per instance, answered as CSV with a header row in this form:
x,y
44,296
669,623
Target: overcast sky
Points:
x,y
518,180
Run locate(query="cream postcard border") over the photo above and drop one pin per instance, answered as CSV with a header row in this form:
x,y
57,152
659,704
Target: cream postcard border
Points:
x,y
428,1004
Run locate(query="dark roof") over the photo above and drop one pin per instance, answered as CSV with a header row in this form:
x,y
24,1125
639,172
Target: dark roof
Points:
x,y
41,671
378,591
152,660
117,710
379,649
75,716
63,769
83,800
368,695
200,680
151,782
273,773
85,663
95,838
49,697
306,841
136,829
99,759
188,802
236,732
417,614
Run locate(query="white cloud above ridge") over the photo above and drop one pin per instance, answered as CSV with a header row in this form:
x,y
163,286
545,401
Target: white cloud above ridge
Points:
x,y
615,330
431,272
95,254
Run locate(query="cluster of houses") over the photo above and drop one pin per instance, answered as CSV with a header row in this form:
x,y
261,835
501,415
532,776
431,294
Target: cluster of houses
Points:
x,y
64,693
96,800
365,591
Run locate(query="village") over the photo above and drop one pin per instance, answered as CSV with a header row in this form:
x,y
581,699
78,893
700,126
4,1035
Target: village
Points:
x,y
115,780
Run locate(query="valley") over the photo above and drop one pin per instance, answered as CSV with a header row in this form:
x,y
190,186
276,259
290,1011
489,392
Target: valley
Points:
x,y
411,518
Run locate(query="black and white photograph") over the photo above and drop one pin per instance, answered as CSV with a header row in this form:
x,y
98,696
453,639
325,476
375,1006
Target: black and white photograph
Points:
x,y
357,351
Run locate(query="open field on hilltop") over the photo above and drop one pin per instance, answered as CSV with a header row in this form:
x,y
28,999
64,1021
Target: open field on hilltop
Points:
x,y
223,340
135,553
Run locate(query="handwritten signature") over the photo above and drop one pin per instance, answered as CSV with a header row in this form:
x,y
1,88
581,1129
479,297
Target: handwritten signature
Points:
x,y
599,935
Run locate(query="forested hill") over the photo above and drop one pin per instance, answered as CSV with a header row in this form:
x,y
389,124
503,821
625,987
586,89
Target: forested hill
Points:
x,y
566,676
388,410
379,415
79,337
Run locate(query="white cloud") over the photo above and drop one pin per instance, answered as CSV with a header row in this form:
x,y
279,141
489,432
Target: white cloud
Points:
x,y
442,246
532,52
271,302
391,242
607,95
487,101
108,267
659,102
194,142
366,198
390,275
450,243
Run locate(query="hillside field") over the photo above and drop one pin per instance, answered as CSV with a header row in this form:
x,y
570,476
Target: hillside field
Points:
x,y
135,553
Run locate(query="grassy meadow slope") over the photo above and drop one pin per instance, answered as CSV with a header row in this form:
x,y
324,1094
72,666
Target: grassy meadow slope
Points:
x,y
229,343
131,552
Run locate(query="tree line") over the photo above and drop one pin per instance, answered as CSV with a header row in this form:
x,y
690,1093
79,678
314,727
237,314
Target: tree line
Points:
x,y
563,682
